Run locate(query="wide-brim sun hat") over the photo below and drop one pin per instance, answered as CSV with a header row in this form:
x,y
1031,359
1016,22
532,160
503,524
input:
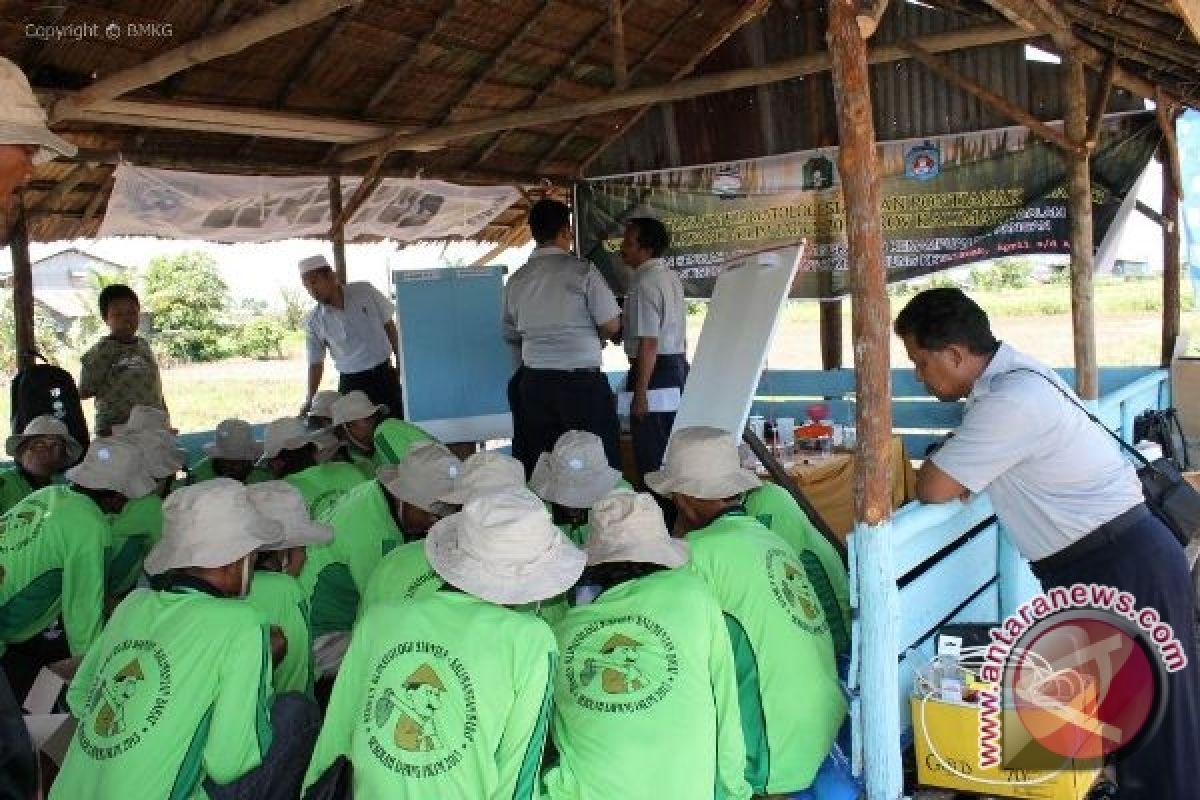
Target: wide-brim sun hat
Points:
x,y
576,473
322,403
234,441
505,548
45,425
354,406
626,526
282,502
161,455
702,462
113,465
286,433
23,120
145,418
210,525
485,473
427,473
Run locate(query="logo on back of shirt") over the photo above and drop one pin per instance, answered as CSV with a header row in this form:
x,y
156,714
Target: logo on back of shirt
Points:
x,y
417,587
420,711
323,503
620,665
789,584
21,525
129,696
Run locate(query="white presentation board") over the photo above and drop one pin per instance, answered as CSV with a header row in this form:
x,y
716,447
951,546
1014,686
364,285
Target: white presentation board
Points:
x,y
742,317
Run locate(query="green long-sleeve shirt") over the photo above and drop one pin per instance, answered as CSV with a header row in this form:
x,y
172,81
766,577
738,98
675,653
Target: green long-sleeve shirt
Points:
x,y
323,485
203,470
52,562
448,696
176,690
13,488
280,601
789,695
645,702
132,534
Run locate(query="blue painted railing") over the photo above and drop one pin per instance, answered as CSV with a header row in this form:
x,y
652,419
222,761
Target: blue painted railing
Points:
x,y
934,565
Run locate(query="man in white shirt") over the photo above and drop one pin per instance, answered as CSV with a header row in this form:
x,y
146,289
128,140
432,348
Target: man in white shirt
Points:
x,y
655,337
558,312
355,322
1066,496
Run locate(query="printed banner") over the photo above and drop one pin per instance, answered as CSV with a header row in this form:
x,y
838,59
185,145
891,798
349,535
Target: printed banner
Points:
x,y
947,201
256,208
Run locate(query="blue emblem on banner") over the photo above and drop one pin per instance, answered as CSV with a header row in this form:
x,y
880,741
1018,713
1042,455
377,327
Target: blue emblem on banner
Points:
x,y
923,162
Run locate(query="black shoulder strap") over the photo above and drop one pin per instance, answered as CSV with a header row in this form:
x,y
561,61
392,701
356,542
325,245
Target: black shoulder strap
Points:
x,y
1124,445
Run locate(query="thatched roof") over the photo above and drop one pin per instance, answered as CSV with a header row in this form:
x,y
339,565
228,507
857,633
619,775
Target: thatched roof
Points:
x,y
301,100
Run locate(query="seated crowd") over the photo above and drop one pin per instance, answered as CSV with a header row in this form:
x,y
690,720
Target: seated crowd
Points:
x,y
347,609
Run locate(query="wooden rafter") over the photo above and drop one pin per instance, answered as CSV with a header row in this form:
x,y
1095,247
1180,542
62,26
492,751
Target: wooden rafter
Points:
x,y
98,198
643,64
64,187
1189,11
1100,102
234,39
214,21
1002,105
680,90
580,52
869,14
341,21
620,65
1124,29
402,69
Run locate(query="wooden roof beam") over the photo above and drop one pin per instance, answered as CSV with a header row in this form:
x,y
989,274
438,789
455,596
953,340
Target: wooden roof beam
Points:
x,y
1189,11
64,187
620,65
401,71
214,21
681,90
232,40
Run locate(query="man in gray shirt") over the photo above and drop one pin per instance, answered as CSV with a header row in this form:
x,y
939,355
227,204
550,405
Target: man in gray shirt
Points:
x,y
1067,498
655,337
558,311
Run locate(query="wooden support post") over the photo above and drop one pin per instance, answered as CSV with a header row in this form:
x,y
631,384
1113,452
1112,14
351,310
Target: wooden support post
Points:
x,y
831,330
22,270
620,65
1100,102
1079,211
338,234
1171,191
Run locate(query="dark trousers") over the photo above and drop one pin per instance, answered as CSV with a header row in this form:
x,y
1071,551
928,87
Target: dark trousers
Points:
x,y
551,402
651,432
1148,562
295,722
381,384
514,405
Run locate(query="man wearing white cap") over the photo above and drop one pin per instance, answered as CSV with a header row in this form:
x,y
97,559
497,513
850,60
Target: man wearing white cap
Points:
x,y
174,698
232,453
646,698
290,453
38,453
449,696
572,478
368,523
275,593
776,624
356,323
52,560
374,441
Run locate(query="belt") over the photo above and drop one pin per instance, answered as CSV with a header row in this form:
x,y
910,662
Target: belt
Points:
x,y
576,371
1107,534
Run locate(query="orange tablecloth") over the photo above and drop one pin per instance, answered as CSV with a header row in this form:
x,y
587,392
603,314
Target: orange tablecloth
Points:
x,y
829,485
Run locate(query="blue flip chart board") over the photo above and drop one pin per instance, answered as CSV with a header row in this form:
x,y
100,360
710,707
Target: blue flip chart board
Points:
x,y
454,364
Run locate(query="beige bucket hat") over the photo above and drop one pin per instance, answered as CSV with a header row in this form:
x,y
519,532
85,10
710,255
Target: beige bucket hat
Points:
x,y
322,403
160,453
234,441
505,548
355,406
45,425
484,473
429,472
576,473
145,418
702,462
626,526
114,465
312,263
211,524
286,433
282,502
22,119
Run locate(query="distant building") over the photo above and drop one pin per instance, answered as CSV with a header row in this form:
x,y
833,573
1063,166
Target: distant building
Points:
x,y
64,284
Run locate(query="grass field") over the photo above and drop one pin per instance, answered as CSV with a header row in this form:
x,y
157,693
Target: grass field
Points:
x,y
1036,320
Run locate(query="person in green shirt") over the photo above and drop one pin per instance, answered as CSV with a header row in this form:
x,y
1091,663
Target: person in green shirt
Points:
x,y
368,522
775,507
777,627
289,452
53,542
132,533
646,699
370,435
275,593
449,696
484,472
320,420
39,452
162,455
572,478
174,699
232,453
